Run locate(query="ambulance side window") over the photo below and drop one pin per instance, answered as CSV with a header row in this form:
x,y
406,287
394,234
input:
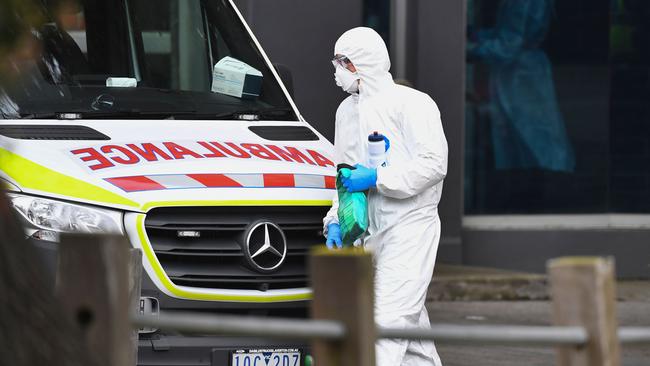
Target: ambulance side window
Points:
x,y
175,44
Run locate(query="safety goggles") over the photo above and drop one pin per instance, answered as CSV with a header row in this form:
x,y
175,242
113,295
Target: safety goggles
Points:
x,y
341,60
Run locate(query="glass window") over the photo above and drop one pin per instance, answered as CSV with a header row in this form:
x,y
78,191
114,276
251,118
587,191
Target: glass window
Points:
x,y
557,112
168,49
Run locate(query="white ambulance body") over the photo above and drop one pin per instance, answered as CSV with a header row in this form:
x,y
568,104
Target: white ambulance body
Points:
x,y
224,195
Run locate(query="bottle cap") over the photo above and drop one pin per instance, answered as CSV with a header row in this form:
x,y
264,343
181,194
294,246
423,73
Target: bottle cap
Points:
x,y
375,137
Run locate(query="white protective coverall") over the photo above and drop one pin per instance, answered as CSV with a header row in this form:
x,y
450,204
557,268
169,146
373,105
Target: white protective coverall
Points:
x,y
404,227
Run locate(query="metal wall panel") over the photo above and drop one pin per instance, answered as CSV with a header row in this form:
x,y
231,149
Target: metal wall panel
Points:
x,y
440,55
301,35
528,250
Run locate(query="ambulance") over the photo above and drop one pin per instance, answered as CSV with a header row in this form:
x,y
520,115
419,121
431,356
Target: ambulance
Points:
x,y
123,117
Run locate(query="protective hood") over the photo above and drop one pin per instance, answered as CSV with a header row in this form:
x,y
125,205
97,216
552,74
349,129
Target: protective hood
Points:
x,y
367,51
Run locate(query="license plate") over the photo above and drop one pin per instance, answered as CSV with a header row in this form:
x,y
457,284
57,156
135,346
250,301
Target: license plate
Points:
x,y
266,357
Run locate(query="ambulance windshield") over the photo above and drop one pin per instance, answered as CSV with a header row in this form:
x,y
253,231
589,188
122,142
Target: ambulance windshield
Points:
x,y
129,59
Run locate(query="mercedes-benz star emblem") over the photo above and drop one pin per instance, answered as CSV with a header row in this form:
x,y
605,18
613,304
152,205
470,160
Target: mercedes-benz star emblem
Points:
x,y
266,247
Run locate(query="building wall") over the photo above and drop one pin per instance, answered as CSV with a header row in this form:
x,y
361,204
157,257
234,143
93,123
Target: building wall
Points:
x,y
557,131
530,250
301,35
439,55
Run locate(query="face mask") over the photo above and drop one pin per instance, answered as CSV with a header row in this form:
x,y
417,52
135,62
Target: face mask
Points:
x,y
348,81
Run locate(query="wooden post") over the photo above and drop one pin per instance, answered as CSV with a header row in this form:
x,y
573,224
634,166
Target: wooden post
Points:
x,y
135,290
93,287
342,281
583,291
33,330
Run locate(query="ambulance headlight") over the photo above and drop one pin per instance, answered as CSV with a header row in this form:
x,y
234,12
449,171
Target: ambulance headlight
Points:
x,y
45,218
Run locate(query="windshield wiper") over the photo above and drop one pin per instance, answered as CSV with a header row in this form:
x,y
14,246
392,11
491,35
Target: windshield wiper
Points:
x,y
244,114
255,114
133,113
51,115
103,114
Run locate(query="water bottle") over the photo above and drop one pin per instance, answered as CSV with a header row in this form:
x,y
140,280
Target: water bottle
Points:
x,y
376,150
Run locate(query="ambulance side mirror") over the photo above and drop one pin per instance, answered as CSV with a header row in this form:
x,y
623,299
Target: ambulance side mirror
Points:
x,y
286,76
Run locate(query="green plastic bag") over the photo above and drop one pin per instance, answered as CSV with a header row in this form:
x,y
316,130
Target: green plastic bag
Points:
x,y
353,211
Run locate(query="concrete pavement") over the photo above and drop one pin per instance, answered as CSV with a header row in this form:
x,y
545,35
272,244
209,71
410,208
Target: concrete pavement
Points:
x,y
631,313
470,295
463,283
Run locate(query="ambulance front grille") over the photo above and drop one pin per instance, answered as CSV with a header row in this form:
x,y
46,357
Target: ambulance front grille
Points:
x,y
216,259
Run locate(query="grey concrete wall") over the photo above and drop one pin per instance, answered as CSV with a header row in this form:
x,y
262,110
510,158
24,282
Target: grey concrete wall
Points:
x,y
301,34
528,250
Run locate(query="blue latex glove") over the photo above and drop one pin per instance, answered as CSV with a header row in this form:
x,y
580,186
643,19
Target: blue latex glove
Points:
x,y
334,236
387,142
360,179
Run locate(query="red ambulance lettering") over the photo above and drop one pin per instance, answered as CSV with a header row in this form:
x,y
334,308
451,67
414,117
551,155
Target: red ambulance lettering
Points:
x,y
149,151
290,154
214,153
320,159
260,151
93,155
239,152
179,151
128,154
128,159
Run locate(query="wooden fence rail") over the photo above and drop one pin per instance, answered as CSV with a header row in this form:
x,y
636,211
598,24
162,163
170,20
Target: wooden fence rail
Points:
x,y
98,277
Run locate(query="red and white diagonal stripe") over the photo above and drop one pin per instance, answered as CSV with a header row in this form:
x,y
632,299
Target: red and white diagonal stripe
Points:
x,y
189,181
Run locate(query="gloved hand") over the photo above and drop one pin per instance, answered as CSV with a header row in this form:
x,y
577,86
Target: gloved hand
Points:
x,y
334,236
387,143
360,179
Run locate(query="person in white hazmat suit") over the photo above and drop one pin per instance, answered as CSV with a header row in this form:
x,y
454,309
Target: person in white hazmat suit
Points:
x,y
403,194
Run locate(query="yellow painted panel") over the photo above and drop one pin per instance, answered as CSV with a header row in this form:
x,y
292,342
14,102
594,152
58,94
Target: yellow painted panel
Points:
x,y
29,174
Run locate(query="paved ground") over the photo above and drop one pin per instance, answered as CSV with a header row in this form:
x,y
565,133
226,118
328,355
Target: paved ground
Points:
x,y
462,283
631,313
479,295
